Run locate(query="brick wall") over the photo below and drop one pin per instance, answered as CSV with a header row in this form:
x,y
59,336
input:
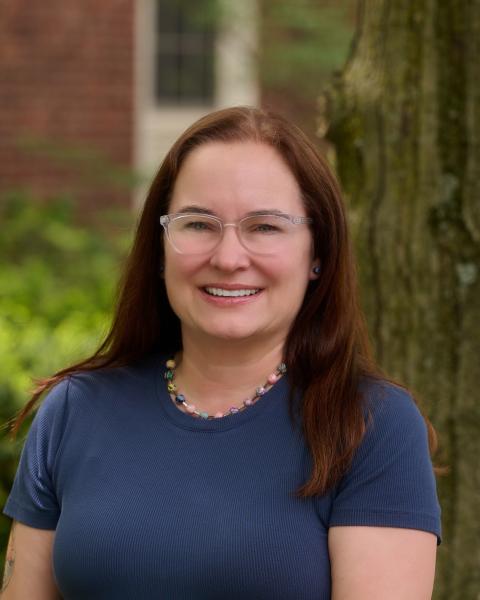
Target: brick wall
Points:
x,y
66,96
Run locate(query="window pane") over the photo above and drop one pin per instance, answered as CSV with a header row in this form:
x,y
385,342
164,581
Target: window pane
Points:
x,y
184,54
167,82
168,16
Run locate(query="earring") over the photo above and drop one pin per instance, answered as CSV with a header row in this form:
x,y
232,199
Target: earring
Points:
x,y
317,270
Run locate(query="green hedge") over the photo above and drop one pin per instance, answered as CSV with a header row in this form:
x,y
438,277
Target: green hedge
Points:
x,y
57,287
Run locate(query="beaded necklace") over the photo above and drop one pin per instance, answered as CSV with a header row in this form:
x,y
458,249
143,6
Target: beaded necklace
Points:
x,y
179,399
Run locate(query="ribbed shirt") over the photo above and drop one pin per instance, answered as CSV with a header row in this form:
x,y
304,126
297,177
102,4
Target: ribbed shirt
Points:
x,y
149,502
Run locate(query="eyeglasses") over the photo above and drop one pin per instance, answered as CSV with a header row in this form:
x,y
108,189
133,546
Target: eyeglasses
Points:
x,y
260,234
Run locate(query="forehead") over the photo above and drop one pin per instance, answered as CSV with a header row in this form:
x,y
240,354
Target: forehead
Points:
x,y
236,178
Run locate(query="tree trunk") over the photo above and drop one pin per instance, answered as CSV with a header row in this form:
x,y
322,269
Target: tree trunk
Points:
x,y
404,118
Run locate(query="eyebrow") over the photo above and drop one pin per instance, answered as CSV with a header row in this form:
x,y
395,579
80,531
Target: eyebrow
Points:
x,y
193,208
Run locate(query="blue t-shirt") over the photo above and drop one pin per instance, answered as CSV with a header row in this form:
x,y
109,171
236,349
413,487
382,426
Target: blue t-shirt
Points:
x,y
151,503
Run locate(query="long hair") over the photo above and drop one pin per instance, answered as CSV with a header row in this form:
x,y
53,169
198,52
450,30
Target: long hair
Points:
x,y
327,350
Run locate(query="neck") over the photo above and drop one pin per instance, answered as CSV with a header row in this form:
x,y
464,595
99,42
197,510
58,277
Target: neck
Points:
x,y
217,375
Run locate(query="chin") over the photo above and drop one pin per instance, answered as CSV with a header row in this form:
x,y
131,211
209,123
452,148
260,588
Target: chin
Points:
x,y
232,333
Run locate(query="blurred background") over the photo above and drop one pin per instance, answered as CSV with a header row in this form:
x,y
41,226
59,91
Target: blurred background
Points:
x,y
92,95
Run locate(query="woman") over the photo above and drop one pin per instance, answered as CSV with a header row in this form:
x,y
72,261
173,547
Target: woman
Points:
x,y
231,438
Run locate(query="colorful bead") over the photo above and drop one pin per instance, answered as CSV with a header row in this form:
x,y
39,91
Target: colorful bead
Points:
x,y
191,408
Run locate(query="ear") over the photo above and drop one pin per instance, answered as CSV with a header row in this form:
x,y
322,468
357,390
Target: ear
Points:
x,y
315,270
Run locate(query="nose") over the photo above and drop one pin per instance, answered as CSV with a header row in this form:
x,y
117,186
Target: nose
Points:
x,y
230,255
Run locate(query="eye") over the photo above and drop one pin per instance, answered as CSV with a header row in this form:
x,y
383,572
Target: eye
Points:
x,y
265,228
196,224
265,225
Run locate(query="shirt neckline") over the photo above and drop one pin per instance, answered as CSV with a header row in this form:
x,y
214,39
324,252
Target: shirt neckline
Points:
x,y
275,395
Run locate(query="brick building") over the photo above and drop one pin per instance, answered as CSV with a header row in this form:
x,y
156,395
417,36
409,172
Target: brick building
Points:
x,y
90,91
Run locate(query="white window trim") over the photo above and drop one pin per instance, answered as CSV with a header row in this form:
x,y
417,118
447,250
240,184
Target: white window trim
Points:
x,y
156,127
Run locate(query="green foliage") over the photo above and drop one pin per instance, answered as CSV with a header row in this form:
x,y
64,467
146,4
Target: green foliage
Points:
x,y
306,41
302,43
57,281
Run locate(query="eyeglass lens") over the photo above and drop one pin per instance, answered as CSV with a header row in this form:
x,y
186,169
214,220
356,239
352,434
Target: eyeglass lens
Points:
x,y
197,234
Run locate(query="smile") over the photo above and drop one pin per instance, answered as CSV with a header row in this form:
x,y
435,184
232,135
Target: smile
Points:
x,y
231,293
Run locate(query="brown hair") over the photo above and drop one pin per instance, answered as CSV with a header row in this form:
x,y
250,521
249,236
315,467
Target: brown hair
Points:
x,y
327,351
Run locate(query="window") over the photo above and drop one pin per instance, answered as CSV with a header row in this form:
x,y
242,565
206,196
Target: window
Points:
x,y
184,65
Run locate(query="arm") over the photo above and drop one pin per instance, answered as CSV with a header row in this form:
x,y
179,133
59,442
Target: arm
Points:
x,y
374,563
28,565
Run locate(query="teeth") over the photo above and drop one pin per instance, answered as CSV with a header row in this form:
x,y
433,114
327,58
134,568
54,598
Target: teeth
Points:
x,y
231,293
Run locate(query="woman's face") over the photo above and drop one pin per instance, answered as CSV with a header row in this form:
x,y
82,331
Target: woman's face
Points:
x,y
229,181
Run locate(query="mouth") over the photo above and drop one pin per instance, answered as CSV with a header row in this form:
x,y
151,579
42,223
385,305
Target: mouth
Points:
x,y
223,293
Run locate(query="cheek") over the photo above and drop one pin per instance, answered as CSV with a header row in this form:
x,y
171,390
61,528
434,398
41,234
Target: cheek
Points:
x,y
180,275
178,266
296,265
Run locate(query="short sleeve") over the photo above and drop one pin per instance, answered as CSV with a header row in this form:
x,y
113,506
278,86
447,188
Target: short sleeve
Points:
x,y
391,481
33,499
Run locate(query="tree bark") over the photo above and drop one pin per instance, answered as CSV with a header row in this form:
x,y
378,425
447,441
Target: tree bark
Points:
x,y
404,118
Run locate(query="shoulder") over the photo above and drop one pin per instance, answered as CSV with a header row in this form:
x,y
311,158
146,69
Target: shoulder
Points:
x,y
85,391
390,409
395,445
390,481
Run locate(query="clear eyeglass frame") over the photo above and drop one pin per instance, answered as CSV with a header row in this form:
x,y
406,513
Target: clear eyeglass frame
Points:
x,y
166,220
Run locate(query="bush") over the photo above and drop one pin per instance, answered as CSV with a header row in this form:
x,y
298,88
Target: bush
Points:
x,y
57,283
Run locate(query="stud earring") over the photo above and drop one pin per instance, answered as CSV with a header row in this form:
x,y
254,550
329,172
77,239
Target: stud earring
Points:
x,y
317,270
